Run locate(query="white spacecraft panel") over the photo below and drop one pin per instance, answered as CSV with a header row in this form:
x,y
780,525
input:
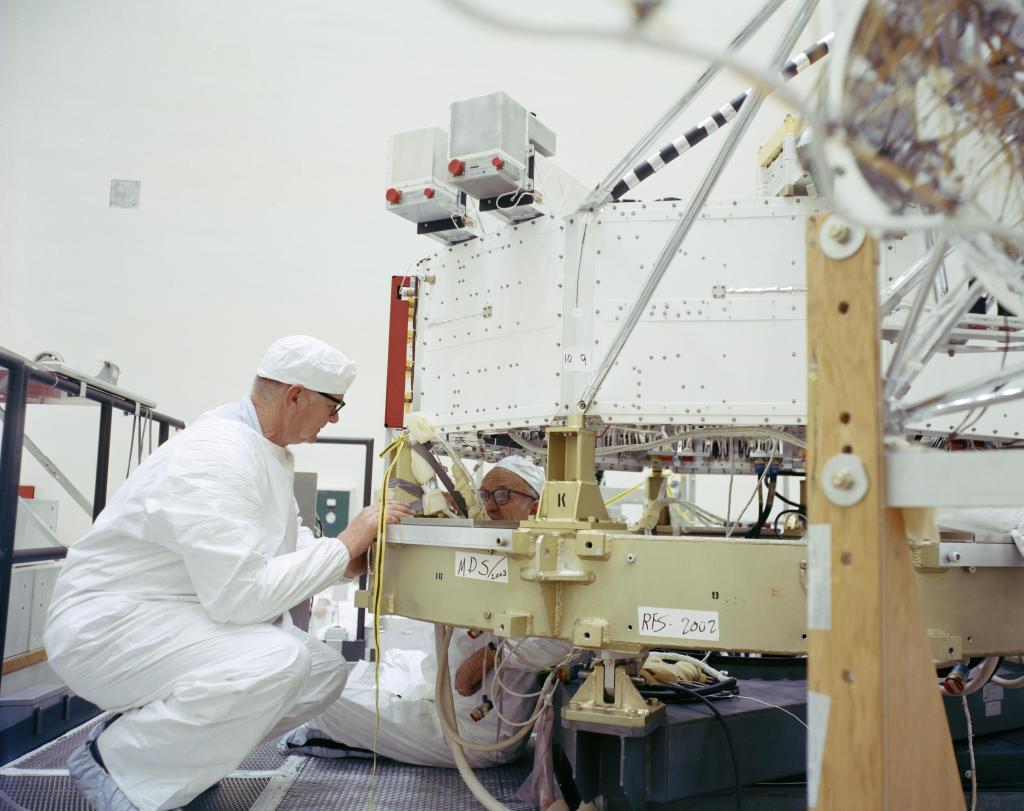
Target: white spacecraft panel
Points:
x,y
723,338
514,325
488,329
512,328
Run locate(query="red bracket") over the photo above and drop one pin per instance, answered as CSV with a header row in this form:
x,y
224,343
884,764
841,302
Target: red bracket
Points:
x,y
400,352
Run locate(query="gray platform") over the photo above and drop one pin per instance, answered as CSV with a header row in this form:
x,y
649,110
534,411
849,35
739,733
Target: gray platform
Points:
x,y
55,755
345,786
58,793
267,780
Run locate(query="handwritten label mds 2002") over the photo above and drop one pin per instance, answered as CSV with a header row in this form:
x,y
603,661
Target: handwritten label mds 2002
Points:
x,y
678,623
492,568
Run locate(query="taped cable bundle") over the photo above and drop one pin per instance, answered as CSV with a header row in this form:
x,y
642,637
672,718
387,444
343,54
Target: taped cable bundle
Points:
x,y
716,121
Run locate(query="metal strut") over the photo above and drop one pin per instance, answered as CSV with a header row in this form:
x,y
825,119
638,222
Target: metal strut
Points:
x,y
757,97
718,119
600,195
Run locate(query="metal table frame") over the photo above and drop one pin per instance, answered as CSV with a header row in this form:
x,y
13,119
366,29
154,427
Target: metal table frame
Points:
x,y
367,445
21,372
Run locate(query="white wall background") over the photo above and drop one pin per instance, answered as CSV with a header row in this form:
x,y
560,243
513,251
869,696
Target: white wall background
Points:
x,y
258,131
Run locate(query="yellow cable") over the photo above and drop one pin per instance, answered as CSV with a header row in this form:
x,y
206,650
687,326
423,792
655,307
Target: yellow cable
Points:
x,y
624,493
677,479
378,571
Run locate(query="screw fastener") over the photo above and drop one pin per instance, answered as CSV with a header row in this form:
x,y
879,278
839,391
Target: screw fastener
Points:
x,y
842,480
839,231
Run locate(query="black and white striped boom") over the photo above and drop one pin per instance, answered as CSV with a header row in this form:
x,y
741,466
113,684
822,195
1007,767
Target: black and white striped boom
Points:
x,y
718,119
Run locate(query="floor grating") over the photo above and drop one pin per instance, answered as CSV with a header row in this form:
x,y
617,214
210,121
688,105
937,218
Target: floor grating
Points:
x,y
268,780
54,755
344,785
58,793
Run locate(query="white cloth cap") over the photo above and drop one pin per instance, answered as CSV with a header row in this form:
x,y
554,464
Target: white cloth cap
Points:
x,y
526,470
301,360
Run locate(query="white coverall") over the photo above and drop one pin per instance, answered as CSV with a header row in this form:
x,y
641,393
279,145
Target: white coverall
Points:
x,y
989,524
173,611
410,731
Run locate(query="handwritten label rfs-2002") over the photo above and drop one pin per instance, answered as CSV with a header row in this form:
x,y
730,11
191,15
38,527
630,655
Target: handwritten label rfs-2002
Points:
x,y
492,568
678,623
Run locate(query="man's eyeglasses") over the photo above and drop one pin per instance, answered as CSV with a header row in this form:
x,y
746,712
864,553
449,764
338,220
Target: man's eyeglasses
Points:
x,y
501,495
340,403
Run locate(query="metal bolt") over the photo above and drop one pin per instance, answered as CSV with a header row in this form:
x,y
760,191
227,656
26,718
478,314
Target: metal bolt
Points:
x,y
487,615
839,231
952,557
842,480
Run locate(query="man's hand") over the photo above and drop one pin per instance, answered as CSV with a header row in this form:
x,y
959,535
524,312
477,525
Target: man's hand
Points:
x,y
358,566
471,671
362,531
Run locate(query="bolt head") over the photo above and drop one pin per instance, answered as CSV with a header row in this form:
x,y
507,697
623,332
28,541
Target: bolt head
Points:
x,y
842,480
839,231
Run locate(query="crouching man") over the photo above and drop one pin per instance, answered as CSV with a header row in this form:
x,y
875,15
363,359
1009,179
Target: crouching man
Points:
x,y
172,610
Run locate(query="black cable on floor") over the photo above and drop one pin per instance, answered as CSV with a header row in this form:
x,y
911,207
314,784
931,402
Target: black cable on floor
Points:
x,y
565,778
678,693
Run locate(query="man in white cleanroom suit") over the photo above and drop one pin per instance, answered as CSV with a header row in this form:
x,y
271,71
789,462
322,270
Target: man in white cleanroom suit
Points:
x,y
410,730
172,610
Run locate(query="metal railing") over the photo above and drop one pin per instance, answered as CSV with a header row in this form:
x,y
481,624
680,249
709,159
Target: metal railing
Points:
x,y
20,373
367,494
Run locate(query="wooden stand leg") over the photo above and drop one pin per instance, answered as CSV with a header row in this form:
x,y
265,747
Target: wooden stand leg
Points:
x,y
886,743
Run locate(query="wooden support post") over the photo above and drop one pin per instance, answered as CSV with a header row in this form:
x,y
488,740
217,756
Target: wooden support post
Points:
x,y
876,712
